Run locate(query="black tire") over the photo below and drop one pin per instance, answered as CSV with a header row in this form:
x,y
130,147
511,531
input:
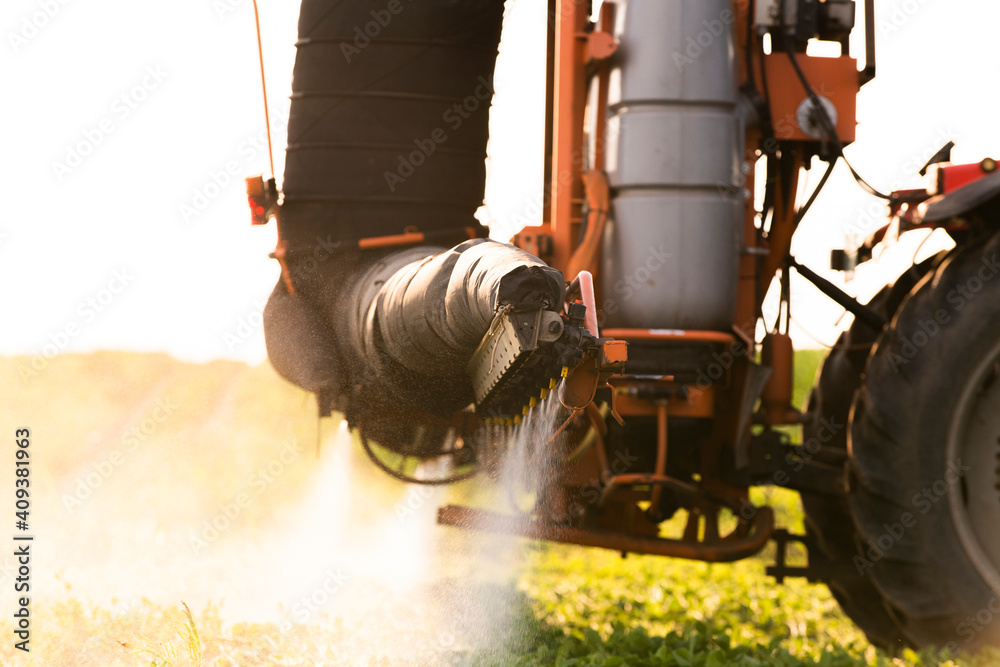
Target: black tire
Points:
x,y
828,519
936,363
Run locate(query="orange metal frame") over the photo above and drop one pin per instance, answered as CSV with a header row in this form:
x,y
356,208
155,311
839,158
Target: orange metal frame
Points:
x,y
578,55
567,128
716,549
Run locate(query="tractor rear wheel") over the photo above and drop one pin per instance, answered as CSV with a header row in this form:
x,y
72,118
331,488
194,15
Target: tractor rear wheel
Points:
x,y
924,467
828,520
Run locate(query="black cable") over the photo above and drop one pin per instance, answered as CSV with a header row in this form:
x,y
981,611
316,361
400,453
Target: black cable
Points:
x,y
786,296
828,126
761,104
771,173
763,81
865,313
801,213
381,465
866,186
824,117
748,55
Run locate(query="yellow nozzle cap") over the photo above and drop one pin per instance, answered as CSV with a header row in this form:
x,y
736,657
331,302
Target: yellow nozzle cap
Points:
x,y
544,394
565,371
552,383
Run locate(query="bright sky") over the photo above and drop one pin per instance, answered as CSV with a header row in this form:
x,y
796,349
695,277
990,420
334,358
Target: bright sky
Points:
x,y
129,127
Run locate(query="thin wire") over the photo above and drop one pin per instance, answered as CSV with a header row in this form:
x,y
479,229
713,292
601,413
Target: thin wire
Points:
x,y
381,465
801,213
829,128
920,247
806,332
564,425
263,85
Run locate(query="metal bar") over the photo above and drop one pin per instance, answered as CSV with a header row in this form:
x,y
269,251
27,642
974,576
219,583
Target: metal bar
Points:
x,y
661,456
861,311
868,73
671,334
567,125
647,479
550,39
731,548
596,425
782,223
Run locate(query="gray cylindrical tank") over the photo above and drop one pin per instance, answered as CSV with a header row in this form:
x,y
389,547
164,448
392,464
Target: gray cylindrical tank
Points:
x,y
675,150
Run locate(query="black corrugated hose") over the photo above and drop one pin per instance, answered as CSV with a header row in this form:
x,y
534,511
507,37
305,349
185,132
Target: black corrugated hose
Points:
x,y
387,132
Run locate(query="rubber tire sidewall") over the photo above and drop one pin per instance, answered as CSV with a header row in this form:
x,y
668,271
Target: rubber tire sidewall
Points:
x,y
900,426
828,519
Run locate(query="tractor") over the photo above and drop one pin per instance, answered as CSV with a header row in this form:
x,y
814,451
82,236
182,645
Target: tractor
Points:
x,y
632,320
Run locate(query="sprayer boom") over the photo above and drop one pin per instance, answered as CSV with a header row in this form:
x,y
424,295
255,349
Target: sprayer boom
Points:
x,y
522,357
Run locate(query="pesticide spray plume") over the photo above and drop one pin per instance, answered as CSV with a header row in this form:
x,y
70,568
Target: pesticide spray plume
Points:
x,y
414,592
330,546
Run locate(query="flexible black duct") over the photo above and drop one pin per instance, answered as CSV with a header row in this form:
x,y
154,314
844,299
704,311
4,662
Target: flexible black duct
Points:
x,y
388,132
413,321
430,315
388,120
